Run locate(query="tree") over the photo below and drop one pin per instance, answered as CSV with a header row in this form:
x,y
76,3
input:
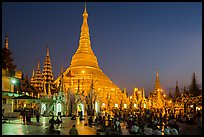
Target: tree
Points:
x,y
177,93
7,59
194,89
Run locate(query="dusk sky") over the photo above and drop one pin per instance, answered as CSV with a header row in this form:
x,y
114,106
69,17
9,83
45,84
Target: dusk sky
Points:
x,y
131,40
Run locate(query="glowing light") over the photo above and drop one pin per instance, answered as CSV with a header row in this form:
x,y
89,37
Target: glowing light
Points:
x,y
103,105
116,105
164,95
125,105
135,105
130,97
83,71
13,81
145,105
135,89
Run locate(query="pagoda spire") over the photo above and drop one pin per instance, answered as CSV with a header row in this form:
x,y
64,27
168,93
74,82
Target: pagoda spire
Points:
x,y
38,67
47,52
84,56
6,41
33,74
38,78
32,81
157,81
47,74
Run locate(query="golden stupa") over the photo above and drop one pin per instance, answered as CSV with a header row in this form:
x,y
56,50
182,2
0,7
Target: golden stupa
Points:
x,y
84,73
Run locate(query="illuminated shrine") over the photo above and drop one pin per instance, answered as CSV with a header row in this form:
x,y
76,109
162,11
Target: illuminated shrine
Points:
x,y
84,78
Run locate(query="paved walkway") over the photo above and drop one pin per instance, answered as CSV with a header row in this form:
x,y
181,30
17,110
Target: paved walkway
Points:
x,y
16,127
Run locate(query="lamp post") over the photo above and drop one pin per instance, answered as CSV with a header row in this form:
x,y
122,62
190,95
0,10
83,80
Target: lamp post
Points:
x,y
13,82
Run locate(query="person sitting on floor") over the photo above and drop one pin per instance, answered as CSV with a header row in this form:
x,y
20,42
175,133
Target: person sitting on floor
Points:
x,y
52,124
73,131
58,122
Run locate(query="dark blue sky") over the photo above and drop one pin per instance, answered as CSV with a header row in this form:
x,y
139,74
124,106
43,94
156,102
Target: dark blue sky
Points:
x,y
131,40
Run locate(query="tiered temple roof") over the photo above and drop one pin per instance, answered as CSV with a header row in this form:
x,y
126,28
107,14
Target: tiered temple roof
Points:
x,y
47,75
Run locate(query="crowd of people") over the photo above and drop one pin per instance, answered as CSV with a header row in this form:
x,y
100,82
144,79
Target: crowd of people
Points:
x,y
142,122
27,113
137,122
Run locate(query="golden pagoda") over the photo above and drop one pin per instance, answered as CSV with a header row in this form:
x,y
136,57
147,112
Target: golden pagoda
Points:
x,y
84,75
156,97
47,76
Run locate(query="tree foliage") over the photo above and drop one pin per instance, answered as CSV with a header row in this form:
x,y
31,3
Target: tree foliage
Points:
x,y
194,89
177,93
7,61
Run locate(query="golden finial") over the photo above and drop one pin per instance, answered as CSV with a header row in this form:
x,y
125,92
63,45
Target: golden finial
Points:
x,y
33,72
38,64
47,51
85,7
85,14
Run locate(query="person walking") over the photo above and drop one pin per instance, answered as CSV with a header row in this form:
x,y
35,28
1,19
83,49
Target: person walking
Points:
x,y
73,131
37,114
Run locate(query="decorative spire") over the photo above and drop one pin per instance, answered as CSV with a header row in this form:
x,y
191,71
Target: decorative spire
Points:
x,y
37,79
6,41
85,14
47,52
157,81
47,73
33,75
84,55
32,81
38,64
143,94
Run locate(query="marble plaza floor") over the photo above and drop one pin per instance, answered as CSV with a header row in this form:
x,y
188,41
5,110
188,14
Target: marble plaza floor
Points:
x,y
16,127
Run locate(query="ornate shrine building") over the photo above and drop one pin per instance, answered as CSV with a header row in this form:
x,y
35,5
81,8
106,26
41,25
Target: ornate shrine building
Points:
x,y
157,99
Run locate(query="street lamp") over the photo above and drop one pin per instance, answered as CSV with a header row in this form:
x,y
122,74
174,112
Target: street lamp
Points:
x,y
13,82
